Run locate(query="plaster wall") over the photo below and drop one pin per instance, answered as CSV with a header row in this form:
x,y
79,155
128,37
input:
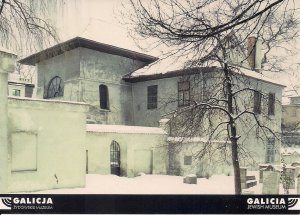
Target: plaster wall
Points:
x,y
132,146
46,144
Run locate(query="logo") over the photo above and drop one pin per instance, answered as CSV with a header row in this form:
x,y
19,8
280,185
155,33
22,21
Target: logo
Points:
x,y
294,203
5,203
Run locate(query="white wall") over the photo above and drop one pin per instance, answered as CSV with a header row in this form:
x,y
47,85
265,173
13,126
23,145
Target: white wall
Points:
x,y
46,144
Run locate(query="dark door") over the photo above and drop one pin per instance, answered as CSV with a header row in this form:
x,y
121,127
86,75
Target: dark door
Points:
x,y
115,158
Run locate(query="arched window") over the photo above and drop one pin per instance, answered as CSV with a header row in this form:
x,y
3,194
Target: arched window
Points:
x,y
55,87
103,93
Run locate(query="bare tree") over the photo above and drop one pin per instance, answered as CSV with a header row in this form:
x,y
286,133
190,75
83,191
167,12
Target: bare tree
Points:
x,y
207,31
24,23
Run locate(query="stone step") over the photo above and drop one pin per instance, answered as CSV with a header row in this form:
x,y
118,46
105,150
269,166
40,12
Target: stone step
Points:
x,y
251,183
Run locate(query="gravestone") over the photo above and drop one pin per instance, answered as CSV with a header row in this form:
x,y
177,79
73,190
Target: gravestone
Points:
x,y
262,167
190,179
271,180
290,177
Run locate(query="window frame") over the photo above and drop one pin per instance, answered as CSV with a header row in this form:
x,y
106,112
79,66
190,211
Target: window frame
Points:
x,y
152,92
184,92
56,88
270,150
103,92
16,90
257,102
271,104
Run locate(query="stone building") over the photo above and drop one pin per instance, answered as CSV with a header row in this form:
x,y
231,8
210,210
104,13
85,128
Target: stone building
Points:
x,y
122,87
127,99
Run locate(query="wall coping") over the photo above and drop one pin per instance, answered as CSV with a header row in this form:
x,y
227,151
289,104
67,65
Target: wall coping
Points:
x,y
32,103
123,129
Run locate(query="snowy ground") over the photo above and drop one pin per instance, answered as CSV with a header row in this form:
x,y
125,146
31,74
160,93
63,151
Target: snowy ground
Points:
x,y
154,184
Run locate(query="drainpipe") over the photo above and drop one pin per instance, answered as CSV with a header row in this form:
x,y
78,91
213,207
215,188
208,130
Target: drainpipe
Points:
x,y
7,65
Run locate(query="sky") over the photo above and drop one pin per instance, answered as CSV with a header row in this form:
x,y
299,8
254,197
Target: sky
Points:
x,y
99,20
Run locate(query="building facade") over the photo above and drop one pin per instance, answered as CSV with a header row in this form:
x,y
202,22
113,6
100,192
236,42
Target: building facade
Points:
x,y
128,100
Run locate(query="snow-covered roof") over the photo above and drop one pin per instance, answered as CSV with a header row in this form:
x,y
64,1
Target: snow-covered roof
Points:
x,y
123,129
289,151
171,67
46,100
7,51
191,140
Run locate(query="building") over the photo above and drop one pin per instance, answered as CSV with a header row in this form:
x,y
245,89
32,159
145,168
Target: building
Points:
x,y
291,122
108,110
20,86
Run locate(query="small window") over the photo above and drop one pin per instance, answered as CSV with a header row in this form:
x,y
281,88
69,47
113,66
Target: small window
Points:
x,y
257,102
103,93
187,160
270,151
183,93
271,104
152,97
55,88
16,92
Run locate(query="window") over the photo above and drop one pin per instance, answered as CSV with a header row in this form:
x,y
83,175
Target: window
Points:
x,y
271,104
183,93
257,102
103,93
16,92
187,160
55,88
270,151
152,97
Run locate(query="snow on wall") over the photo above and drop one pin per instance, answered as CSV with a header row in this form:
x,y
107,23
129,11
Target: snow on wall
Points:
x,y
123,129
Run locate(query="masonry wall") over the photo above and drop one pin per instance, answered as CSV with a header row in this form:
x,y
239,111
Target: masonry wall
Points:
x,y
138,153
46,145
100,68
66,66
291,115
249,141
83,71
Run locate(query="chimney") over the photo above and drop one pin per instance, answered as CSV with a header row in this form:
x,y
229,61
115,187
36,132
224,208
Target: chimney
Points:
x,y
254,56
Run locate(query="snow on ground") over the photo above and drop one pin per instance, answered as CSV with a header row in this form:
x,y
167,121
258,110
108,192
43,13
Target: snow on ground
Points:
x,y
149,184
157,184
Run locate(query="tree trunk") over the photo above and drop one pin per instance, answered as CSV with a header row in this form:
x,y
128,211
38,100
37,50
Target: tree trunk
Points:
x,y
233,133
236,164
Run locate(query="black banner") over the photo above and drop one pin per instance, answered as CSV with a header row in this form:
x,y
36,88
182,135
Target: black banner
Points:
x,y
150,204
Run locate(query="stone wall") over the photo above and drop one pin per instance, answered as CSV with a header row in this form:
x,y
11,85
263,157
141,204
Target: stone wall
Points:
x,y
46,144
140,149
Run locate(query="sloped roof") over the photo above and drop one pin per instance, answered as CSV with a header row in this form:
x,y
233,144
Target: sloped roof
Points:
x,y
169,68
86,43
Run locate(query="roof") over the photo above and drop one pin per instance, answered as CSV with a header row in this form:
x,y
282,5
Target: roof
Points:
x,y
123,129
169,68
85,43
2,49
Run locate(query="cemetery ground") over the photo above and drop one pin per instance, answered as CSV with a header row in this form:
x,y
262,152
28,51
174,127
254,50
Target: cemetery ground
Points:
x,y
159,184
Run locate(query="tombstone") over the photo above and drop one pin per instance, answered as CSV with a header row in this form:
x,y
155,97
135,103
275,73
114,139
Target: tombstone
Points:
x,y
290,177
297,166
271,180
243,175
262,168
190,179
